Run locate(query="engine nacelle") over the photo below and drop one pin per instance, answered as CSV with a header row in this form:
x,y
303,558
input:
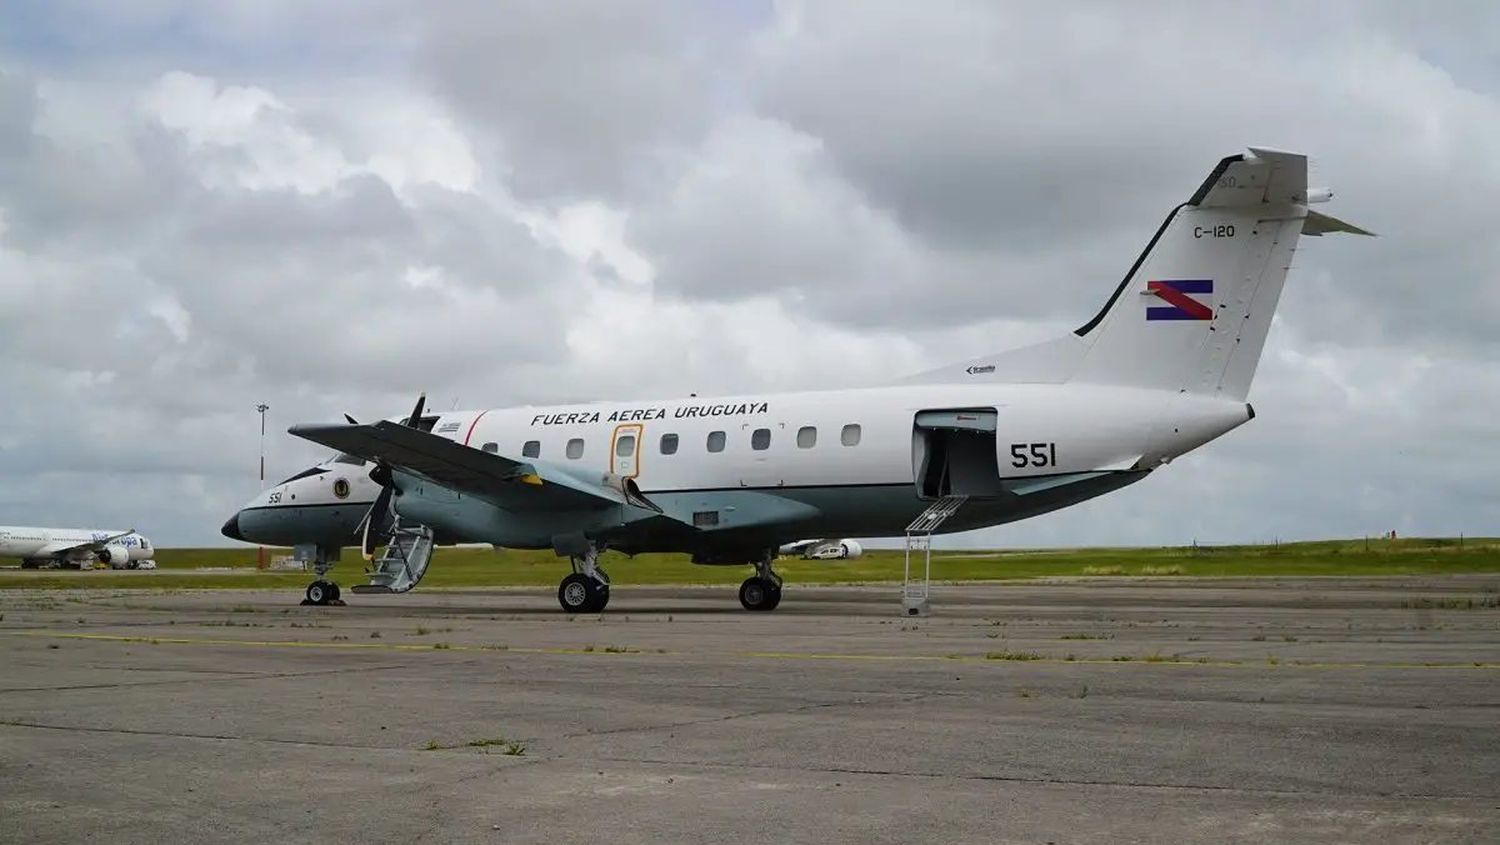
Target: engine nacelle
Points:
x,y
115,556
829,549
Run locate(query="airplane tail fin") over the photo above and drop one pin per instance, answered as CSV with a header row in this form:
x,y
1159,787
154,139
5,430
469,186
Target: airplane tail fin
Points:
x,y
1193,311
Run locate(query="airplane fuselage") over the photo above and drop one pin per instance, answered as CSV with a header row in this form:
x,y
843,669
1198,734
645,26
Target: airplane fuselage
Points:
x,y
786,465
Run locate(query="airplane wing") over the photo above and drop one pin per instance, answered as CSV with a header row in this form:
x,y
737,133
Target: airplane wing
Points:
x,y
62,552
508,483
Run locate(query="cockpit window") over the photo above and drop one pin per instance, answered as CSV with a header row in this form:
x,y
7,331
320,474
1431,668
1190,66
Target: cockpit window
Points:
x,y
304,474
346,458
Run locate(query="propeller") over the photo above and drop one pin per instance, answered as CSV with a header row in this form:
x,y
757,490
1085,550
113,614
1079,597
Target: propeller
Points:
x,y
381,474
378,509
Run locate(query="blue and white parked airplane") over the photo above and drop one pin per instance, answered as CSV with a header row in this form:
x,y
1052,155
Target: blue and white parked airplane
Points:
x,y
1164,367
75,547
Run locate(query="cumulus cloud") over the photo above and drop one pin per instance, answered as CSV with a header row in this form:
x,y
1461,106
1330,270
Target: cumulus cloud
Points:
x,y
577,98
330,208
1017,129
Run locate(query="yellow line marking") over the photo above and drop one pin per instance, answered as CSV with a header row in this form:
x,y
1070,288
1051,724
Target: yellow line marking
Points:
x,y
1110,661
612,651
117,638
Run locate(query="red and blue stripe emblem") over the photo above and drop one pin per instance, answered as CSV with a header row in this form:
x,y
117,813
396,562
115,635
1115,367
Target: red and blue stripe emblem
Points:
x,y
1180,304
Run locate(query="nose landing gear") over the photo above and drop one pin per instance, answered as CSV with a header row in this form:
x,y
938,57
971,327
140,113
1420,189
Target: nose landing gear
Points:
x,y
321,592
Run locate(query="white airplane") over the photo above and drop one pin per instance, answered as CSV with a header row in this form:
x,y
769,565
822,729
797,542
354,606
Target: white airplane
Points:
x,y
1163,368
39,547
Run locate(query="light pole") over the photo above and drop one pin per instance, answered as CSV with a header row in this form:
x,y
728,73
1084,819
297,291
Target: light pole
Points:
x,y
260,551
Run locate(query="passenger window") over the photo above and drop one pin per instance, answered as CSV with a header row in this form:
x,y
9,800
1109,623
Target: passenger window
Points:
x,y
625,445
850,435
492,448
807,437
575,449
716,441
760,439
669,444
531,449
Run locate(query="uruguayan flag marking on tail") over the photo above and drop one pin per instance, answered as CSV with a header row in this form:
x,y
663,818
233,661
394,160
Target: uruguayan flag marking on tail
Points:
x,y
1180,306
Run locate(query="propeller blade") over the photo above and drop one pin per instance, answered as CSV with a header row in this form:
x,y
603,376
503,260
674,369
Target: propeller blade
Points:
x,y
381,474
416,413
374,515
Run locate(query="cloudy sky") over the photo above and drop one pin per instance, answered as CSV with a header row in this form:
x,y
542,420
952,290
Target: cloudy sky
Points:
x,y
329,207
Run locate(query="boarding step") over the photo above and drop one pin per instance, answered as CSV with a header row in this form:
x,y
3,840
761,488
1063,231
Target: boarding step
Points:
x,y
914,591
936,514
403,563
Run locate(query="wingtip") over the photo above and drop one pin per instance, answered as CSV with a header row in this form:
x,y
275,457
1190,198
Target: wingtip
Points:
x,y
303,429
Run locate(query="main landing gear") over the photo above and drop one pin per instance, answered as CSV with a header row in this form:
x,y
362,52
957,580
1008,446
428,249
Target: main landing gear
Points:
x,y
587,589
762,591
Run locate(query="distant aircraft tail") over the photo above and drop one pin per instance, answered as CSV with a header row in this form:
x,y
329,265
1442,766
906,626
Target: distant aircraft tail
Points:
x,y
1193,311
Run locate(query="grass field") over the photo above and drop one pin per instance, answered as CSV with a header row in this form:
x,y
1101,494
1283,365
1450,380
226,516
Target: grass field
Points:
x,y
480,567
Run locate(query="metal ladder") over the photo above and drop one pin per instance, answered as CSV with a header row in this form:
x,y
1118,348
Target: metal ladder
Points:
x,y
919,539
403,563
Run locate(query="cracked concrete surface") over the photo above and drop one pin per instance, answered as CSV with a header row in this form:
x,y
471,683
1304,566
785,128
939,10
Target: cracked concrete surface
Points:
x,y
1108,711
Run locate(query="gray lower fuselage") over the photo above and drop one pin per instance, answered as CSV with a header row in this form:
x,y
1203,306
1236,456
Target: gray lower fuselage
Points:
x,y
771,516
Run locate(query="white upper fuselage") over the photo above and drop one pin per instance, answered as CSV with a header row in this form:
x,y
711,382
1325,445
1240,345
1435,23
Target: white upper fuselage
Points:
x,y
320,486
1094,428
30,543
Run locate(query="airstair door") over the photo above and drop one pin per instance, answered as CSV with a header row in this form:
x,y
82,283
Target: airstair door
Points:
x,y
625,450
953,453
404,562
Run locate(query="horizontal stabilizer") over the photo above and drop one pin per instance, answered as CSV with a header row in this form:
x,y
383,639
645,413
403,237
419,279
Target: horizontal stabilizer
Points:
x,y
1318,224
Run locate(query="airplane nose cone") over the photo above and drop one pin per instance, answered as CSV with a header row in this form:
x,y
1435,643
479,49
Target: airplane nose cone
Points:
x,y
231,528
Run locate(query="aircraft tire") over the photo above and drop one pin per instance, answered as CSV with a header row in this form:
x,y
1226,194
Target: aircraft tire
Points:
x,y
773,598
757,593
318,592
578,593
336,592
